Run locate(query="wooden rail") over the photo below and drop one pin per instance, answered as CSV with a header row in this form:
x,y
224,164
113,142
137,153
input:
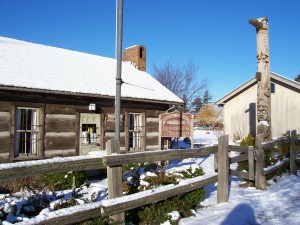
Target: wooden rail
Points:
x,y
55,165
158,155
114,162
120,204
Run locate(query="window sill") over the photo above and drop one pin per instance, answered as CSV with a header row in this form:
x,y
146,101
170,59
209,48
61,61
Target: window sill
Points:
x,y
26,158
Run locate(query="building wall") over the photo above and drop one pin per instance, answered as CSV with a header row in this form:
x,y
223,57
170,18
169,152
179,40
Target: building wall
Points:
x,y
5,121
285,111
59,129
237,114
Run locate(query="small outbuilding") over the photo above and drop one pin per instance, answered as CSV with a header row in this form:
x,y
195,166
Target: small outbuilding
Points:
x,y
58,102
240,107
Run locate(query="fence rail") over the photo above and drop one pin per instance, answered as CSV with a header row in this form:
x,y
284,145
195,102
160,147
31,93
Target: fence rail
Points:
x,y
56,165
113,163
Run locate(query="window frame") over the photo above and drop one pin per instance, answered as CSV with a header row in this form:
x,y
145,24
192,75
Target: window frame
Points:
x,y
136,133
272,88
38,132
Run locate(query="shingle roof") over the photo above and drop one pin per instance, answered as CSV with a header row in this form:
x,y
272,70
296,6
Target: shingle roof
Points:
x,y
34,66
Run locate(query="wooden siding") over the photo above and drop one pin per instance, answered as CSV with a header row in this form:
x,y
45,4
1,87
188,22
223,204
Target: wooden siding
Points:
x,y
60,109
152,129
59,130
60,123
285,110
61,153
237,113
5,121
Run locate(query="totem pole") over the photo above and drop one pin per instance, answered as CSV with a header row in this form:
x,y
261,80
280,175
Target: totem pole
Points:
x,y
263,77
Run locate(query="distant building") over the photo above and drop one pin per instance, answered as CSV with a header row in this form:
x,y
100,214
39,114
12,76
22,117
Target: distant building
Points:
x,y
58,102
240,107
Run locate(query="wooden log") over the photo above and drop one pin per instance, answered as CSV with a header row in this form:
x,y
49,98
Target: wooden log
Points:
x,y
66,216
236,148
273,143
158,155
223,169
293,153
58,141
56,165
125,203
77,214
260,178
4,121
275,167
114,178
239,174
60,123
251,163
239,158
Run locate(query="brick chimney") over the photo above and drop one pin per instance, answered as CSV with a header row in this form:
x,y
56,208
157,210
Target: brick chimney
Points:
x,y
137,56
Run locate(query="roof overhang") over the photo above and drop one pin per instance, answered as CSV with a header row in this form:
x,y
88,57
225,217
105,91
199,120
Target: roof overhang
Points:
x,y
251,82
90,95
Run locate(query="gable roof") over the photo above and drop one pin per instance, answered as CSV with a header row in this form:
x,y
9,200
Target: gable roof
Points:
x,y
29,66
253,81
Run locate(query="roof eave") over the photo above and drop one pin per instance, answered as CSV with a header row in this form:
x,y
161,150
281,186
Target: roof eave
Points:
x,y
66,93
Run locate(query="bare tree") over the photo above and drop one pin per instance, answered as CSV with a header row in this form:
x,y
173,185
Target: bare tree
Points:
x,y
181,80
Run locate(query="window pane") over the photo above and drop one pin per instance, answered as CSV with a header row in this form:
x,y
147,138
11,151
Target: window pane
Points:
x,y
26,131
134,131
272,88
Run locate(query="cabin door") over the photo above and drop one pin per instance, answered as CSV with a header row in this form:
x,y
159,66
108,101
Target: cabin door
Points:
x,y
89,133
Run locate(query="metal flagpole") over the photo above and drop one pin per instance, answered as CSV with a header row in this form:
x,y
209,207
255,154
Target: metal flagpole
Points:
x,y
119,68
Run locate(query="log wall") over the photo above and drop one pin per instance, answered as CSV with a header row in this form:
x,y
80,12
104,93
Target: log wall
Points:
x,y
5,121
59,128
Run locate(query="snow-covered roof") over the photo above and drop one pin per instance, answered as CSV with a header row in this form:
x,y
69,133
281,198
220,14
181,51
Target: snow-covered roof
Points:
x,y
252,81
33,66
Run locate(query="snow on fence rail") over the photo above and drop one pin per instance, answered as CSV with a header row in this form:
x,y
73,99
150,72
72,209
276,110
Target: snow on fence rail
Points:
x,y
123,203
116,205
55,165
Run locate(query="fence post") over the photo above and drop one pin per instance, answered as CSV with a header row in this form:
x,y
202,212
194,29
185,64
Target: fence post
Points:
x,y
251,162
260,179
114,179
293,152
223,169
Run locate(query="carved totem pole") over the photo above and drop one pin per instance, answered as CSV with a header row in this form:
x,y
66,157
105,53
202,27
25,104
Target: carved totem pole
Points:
x,y
263,78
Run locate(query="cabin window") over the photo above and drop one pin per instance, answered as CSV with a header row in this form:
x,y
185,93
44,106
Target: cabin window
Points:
x,y
135,129
272,88
26,132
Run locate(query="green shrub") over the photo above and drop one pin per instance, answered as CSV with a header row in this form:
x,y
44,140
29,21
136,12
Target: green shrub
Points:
x,y
64,181
247,141
66,204
157,213
105,220
189,173
272,156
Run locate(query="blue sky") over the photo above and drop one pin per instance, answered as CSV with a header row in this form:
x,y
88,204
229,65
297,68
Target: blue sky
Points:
x,y
215,34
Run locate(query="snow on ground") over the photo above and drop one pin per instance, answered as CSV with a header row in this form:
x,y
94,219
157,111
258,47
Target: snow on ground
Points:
x,y
279,204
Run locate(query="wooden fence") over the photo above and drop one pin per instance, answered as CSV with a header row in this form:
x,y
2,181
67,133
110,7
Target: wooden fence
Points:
x,y
117,204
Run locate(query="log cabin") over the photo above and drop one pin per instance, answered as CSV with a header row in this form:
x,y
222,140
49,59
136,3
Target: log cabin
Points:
x,y
59,102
